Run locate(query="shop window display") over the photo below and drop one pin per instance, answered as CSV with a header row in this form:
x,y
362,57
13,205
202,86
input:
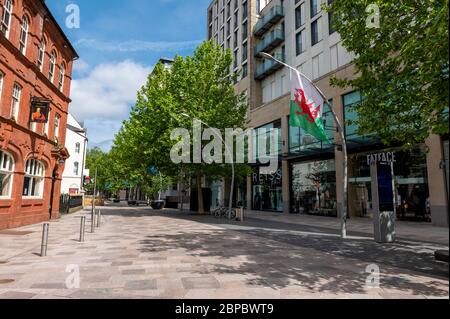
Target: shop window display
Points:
x,y
267,191
314,188
411,186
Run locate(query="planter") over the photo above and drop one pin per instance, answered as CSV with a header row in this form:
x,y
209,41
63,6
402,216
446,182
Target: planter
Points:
x,y
158,204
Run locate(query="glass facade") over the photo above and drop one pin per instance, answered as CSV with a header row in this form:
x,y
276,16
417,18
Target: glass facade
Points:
x,y
216,191
263,133
354,140
446,164
267,190
411,185
302,142
314,188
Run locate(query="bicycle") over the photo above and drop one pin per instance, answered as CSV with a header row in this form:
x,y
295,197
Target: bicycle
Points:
x,y
222,211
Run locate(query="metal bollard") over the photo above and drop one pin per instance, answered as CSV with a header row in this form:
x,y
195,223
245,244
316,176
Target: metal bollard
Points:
x,y
82,228
44,242
93,215
99,217
242,214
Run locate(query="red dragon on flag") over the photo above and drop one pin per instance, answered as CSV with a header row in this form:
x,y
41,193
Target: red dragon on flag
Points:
x,y
305,107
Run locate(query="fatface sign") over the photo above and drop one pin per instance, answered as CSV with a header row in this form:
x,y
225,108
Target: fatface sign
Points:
x,y
39,111
384,158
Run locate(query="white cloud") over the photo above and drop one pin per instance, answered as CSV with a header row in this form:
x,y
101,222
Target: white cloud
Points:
x,y
80,66
103,97
135,45
108,90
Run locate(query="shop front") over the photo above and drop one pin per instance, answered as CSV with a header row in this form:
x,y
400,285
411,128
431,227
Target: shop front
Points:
x,y
314,188
410,179
267,190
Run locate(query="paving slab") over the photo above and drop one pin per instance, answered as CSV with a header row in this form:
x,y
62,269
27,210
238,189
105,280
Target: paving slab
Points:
x,y
167,254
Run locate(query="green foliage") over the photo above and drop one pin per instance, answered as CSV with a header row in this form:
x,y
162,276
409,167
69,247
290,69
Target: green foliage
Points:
x,y
199,86
402,66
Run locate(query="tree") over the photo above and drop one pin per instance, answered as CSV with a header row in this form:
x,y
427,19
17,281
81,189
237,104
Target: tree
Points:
x,y
402,66
201,87
98,160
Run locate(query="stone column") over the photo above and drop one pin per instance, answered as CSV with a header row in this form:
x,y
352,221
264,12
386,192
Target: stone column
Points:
x,y
249,193
437,182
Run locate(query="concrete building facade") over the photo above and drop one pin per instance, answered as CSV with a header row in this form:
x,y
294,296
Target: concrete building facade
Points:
x,y
35,69
300,33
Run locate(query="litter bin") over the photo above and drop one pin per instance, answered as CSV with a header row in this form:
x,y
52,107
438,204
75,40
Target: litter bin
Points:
x,y
240,214
384,227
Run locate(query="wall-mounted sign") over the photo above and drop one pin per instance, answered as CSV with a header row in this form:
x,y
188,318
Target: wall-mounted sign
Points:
x,y
385,158
39,110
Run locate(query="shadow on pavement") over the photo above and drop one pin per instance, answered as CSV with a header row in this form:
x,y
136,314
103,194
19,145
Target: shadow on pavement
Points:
x,y
321,263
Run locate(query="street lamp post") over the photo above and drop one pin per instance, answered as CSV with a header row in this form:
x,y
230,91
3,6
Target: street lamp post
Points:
x,y
230,208
344,146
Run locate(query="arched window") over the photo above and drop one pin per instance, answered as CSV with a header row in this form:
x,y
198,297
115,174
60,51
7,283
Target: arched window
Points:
x,y
6,17
77,148
51,70
41,54
33,185
62,75
23,36
6,174
76,168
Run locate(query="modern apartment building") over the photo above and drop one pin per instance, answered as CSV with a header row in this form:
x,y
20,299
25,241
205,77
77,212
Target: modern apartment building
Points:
x,y
300,33
35,75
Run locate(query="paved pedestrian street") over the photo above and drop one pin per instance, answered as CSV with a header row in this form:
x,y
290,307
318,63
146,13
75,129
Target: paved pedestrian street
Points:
x,y
142,253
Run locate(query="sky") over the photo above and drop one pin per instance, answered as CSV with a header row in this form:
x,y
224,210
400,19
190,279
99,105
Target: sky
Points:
x,y
119,42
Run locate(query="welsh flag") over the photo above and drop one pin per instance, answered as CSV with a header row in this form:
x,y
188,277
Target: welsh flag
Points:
x,y
306,107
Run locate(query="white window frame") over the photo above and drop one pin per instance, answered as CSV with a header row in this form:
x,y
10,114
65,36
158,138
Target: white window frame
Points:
x,y
62,76
52,66
15,102
46,124
76,168
57,127
5,24
41,54
7,168
77,148
24,35
35,171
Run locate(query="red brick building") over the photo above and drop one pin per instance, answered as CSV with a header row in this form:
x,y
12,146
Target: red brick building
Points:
x,y
35,64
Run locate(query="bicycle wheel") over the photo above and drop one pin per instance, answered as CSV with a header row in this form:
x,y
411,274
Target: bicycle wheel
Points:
x,y
233,214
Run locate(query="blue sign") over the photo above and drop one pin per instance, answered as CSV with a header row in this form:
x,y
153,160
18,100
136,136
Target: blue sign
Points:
x,y
152,170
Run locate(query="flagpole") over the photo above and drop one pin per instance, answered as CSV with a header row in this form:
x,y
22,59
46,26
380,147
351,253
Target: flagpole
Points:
x,y
340,128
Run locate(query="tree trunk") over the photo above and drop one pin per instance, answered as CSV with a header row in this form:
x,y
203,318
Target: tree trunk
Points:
x,y
180,190
201,209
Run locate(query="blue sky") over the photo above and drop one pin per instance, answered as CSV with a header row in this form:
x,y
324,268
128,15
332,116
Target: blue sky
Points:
x,y
119,41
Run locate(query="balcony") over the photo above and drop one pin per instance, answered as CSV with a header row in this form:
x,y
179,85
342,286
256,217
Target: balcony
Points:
x,y
270,42
269,67
275,14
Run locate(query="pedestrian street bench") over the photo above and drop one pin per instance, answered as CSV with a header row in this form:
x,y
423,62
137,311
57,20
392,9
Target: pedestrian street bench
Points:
x,y
441,255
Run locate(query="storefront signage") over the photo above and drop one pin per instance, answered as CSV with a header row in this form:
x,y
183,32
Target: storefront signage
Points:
x,y
268,179
39,110
385,158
